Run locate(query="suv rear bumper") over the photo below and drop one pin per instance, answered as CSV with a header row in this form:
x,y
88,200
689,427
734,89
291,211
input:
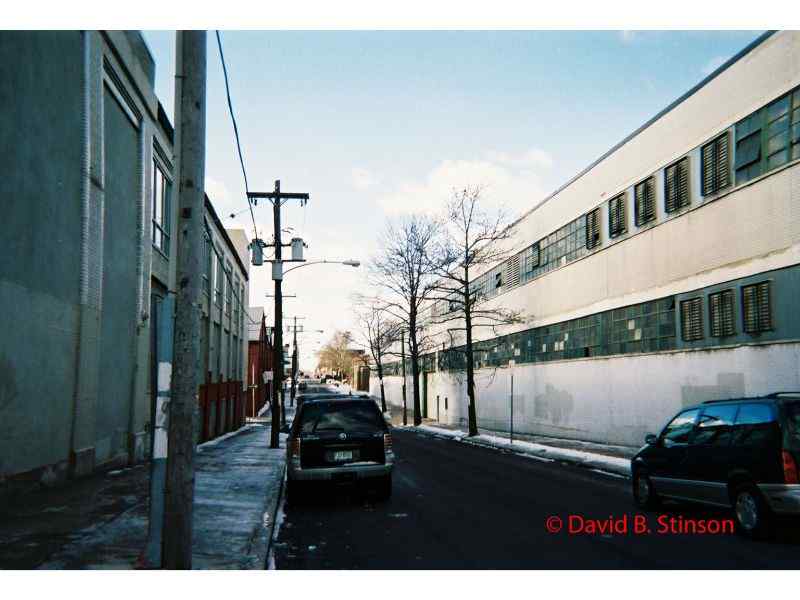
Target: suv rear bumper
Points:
x,y
295,473
783,498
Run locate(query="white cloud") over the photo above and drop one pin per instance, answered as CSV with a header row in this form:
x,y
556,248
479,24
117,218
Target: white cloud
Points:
x,y
510,181
217,192
362,179
714,64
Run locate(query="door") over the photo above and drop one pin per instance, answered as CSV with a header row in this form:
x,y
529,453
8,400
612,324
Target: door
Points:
x,y
668,458
709,453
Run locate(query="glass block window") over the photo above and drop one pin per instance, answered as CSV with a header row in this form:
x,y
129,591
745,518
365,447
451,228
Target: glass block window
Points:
x,y
721,313
676,185
644,203
593,229
692,319
529,260
566,244
757,307
617,224
715,165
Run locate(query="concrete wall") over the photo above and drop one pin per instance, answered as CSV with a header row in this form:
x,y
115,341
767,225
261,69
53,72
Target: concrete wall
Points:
x,y
611,400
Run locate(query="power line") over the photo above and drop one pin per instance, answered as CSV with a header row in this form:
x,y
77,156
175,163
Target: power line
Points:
x,y
236,131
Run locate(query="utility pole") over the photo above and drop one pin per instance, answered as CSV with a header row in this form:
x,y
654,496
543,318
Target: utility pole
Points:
x,y
403,362
277,198
190,99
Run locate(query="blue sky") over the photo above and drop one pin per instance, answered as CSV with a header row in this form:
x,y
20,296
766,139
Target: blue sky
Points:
x,y
374,123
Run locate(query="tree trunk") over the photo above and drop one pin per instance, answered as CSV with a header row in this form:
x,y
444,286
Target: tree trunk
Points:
x,y
412,338
473,417
383,394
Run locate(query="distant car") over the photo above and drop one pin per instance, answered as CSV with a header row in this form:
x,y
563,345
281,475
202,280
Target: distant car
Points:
x,y
342,439
302,386
741,454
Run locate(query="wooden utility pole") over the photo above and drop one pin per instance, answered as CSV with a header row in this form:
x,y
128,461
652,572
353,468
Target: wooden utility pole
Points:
x,y
277,198
190,104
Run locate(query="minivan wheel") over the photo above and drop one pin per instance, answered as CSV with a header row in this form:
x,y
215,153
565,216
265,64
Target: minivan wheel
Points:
x,y
294,493
751,512
644,493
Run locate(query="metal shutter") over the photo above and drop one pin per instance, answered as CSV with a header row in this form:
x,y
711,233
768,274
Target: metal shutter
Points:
x,y
716,166
720,308
645,202
692,319
511,278
616,216
676,185
593,228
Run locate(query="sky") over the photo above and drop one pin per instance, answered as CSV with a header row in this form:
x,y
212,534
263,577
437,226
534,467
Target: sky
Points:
x,y
377,124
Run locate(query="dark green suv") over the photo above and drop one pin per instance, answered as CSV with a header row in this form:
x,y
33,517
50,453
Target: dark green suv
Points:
x,y
741,454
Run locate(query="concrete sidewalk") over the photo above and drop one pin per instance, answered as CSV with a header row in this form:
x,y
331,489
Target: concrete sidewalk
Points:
x,y
101,522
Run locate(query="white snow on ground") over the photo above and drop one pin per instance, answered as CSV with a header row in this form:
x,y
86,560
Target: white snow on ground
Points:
x,y
593,460
217,440
280,516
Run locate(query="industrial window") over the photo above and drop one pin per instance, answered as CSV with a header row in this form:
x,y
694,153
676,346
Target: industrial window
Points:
x,y
715,165
676,185
236,304
692,319
206,264
530,260
720,313
214,266
644,204
616,216
768,138
162,188
593,228
229,288
757,307
219,280
498,280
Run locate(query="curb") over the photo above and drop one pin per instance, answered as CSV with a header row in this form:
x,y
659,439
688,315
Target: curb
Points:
x,y
556,455
272,515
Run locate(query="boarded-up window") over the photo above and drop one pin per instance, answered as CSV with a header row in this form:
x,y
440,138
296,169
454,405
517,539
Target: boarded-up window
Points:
x,y
644,209
616,216
593,229
692,319
720,313
715,165
676,185
757,307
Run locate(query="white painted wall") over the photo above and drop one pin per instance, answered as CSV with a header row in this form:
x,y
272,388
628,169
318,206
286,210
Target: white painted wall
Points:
x,y
611,400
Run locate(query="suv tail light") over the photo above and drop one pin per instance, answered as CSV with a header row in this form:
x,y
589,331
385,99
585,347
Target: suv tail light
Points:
x,y
294,449
789,469
387,442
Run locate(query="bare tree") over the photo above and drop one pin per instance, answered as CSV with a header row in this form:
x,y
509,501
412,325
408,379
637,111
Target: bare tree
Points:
x,y
405,273
473,240
336,354
378,331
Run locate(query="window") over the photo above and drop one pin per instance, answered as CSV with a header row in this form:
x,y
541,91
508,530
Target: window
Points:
x,y
692,319
566,244
616,216
498,280
755,426
756,307
593,229
768,138
214,266
236,304
716,167
676,185
720,313
162,188
219,281
715,425
228,288
206,264
677,432
644,203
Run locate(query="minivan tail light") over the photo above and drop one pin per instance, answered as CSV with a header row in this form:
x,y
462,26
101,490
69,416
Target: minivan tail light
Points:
x,y
294,450
387,442
789,469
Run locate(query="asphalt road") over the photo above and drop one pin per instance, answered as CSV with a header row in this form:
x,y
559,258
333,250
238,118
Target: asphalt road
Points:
x,y
457,506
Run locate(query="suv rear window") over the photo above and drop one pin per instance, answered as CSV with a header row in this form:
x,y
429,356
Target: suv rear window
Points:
x,y
341,415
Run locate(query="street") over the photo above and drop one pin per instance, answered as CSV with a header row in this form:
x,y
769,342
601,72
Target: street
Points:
x,y
457,506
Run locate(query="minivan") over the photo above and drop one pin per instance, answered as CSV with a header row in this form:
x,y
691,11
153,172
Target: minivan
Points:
x,y
740,454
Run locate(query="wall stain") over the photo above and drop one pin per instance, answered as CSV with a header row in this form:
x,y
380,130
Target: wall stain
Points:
x,y
729,385
554,405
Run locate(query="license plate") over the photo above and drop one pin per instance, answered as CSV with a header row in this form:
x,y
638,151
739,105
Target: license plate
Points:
x,y
343,455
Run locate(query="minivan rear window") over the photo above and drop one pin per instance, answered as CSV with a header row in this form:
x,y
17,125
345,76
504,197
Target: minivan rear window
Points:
x,y
755,425
341,415
793,418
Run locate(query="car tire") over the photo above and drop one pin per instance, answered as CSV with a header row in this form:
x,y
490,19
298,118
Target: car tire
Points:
x,y
295,493
752,515
384,487
644,492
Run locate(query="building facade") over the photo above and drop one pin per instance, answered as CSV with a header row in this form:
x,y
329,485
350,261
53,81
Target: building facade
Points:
x,y
664,274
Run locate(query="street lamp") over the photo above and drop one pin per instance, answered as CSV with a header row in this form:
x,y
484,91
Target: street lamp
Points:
x,y
349,263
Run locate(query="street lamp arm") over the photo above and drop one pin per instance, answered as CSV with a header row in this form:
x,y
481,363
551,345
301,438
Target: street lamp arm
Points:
x,y
349,263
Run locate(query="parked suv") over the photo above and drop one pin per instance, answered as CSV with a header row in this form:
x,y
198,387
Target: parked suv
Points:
x,y
339,439
741,454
